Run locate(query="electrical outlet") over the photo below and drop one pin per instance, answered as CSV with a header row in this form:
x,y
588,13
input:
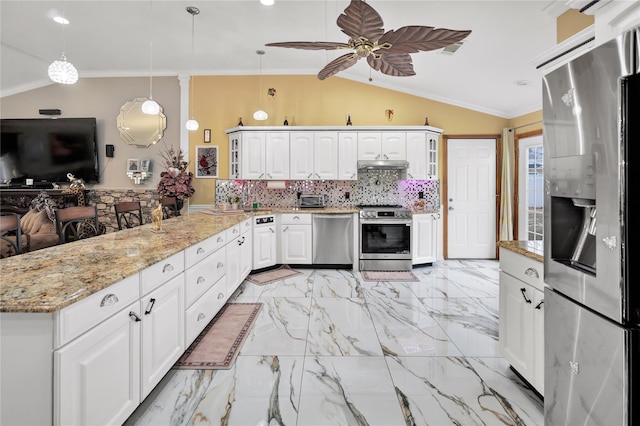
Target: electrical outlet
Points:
x,y
421,195
347,195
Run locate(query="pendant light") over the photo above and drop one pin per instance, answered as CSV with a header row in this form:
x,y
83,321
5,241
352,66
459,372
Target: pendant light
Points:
x,y
62,71
192,124
150,106
260,115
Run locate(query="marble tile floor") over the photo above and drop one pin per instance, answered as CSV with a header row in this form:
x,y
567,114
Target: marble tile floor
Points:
x,y
331,349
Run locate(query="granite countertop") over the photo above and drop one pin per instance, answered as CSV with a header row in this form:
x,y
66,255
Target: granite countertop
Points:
x,y
531,249
50,279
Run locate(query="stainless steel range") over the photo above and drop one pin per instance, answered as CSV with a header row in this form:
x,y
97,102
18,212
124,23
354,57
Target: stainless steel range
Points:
x,y
385,238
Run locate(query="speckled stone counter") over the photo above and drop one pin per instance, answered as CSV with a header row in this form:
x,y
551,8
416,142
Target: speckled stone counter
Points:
x,y
531,249
50,279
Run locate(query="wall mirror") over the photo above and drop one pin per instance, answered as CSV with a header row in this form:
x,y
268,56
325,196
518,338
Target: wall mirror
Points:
x,y
138,128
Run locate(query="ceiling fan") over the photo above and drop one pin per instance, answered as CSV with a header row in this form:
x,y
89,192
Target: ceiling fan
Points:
x,y
385,52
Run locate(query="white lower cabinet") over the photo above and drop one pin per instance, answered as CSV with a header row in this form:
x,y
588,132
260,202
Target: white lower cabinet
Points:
x,y
521,310
264,246
296,239
424,238
239,255
162,331
97,376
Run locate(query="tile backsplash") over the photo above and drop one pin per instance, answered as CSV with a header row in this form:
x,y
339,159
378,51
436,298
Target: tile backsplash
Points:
x,y
372,187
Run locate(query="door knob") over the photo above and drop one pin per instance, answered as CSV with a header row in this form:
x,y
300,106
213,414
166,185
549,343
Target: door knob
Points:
x,y
450,208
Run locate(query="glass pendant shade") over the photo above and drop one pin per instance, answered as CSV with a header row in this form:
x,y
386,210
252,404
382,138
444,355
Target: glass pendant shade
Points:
x,y
63,72
150,107
192,124
260,115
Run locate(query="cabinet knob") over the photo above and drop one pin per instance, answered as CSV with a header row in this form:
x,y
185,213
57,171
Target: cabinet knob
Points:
x,y
219,265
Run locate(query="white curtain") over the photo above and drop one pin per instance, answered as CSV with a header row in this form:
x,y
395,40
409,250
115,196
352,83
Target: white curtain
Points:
x,y
507,182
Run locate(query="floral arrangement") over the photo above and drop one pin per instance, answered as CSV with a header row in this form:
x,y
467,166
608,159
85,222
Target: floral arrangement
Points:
x,y
176,180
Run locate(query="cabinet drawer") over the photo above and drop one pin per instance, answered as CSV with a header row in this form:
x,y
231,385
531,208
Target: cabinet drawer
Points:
x,y
201,277
204,309
246,226
161,272
232,233
197,252
523,268
74,320
296,219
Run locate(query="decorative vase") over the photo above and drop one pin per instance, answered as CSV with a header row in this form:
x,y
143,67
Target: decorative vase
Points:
x,y
180,204
234,206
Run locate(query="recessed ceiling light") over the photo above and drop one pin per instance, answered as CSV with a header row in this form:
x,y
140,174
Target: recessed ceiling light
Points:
x,y
521,82
61,20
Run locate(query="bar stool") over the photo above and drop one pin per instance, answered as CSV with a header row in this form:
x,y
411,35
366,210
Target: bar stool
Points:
x,y
128,214
76,223
169,207
10,228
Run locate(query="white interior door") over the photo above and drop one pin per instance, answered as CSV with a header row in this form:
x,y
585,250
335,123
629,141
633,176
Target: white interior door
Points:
x,y
471,198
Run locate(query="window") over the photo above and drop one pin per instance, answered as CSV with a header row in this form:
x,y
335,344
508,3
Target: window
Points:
x,y
531,189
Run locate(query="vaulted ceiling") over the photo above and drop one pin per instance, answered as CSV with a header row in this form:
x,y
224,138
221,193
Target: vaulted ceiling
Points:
x,y
114,38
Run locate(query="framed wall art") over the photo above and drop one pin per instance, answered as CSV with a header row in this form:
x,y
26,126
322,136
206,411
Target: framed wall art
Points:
x,y
133,165
207,161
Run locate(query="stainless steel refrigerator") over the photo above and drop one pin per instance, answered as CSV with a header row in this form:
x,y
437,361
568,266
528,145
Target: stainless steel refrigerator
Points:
x,y
591,131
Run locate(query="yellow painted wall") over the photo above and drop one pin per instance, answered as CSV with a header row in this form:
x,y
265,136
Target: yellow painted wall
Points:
x,y
570,23
219,101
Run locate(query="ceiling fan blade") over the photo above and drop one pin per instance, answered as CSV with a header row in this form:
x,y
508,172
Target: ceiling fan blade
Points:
x,y
311,45
393,64
361,20
341,63
416,38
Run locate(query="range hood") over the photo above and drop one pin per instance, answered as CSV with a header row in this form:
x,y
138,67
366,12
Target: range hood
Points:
x,y
383,165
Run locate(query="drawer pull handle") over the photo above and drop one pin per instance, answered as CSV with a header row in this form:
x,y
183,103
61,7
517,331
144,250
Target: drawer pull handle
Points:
x,y
219,265
167,268
152,302
296,218
200,250
539,305
108,300
220,295
531,272
272,231
220,239
134,316
524,294
200,280
201,316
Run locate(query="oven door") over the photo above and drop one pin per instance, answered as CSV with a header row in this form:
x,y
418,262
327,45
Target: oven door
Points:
x,y
385,239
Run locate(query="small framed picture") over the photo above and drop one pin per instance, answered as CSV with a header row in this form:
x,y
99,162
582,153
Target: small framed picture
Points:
x,y
207,135
144,165
207,161
133,165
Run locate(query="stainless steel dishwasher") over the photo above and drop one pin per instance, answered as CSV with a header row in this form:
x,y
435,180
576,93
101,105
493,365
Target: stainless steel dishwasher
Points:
x,y
332,239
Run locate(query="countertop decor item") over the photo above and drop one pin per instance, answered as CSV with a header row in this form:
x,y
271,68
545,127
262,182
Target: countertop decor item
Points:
x,y
176,181
156,219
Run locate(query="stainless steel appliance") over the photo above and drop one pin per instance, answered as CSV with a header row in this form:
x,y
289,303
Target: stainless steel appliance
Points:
x,y
591,116
332,239
310,201
385,238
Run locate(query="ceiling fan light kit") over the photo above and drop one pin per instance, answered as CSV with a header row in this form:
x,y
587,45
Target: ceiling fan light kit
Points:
x,y
387,52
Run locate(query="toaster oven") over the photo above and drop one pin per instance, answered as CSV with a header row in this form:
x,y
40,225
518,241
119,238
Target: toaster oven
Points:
x,y
309,201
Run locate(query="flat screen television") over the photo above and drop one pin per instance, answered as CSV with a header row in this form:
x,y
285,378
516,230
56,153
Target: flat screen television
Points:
x,y
45,150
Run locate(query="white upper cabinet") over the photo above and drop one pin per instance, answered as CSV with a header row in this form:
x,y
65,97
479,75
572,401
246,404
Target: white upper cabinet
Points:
x,y
422,154
382,146
347,156
313,155
263,155
328,153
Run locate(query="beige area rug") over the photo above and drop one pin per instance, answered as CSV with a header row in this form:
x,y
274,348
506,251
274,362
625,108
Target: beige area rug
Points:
x,y
389,276
273,275
217,347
